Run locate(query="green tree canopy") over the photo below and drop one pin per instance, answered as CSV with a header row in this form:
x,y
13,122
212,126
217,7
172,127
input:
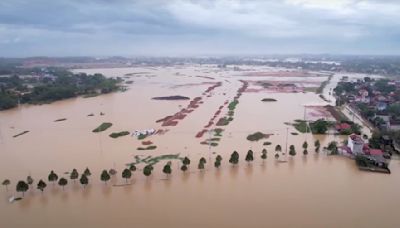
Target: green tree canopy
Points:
x,y
84,180
22,187
41,185
53,176
74,175
127,174
105,176
63,182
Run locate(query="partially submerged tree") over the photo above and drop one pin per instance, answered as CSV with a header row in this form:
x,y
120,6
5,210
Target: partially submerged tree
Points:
x,y
41,185
249,156
53,177
317,145
264,154
87,172
305,151
62,182
184,168
29,180
147,170
278,148
84,180
112,172
6,182
132,167
234,159
332,147
305,145
22,187
105,176
74,175
167,169
218,158
202,159
292,150
127,174
201,165
186,161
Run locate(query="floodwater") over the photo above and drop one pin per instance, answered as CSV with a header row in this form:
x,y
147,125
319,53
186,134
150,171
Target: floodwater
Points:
x,y
308,191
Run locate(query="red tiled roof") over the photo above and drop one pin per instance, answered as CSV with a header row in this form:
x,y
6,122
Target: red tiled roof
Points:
x,y
375,152
343,126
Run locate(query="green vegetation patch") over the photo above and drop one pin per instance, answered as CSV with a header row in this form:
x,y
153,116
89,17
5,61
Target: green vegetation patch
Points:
x,y
218,132
151,147
119,134
301,126
267,143
232,105
268,100
22,133
102,127
149,160
256,136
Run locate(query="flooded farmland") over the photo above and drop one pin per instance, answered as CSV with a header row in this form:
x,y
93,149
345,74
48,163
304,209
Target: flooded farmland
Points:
x,y
308,191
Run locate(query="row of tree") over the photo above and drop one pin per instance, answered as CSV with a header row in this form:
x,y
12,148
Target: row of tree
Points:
x,y
23,186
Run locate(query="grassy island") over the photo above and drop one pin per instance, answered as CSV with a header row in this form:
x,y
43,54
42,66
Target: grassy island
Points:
x,y
102,127
119,134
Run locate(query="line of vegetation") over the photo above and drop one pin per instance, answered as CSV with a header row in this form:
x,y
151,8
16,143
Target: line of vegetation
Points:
x,y
268,100
104,126
59,120
22,133
119,134
151,147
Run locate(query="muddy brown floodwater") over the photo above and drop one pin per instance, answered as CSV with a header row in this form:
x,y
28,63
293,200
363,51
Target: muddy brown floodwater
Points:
x,y
308,191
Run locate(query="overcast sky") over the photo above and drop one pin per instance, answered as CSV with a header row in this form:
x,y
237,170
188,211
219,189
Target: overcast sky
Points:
x,y
203,27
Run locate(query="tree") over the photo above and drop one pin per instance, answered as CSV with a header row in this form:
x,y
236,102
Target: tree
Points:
x,y
234,159
249,156
147,170
217,163
305,151
202,159
319,127
276,156
127,174
186,161
264,154
218,158
62,182
317,145
41,185
132,167
278,148
87,172
84,180
22,187
112,172
201,165
53,177
29,180
6,182
167,168
332,147
305,145
74,175
104,176
292,150
184,168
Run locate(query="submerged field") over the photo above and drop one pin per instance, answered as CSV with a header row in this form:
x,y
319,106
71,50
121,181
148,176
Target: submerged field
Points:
x,y
224,107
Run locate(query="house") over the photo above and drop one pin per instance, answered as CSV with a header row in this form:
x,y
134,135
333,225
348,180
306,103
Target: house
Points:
x,y
381,106
356,144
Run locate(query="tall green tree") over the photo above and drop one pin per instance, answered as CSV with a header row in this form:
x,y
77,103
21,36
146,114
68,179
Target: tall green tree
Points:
x,y
87,172
127,174
234,159
147,170
249,156
74,175
167,169
84,180
6,182
62,182
186,161
317,145
292,150
41,185
53,177
22,187
105,176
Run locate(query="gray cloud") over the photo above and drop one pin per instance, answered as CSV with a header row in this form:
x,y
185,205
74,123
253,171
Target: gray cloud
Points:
x,y
184,27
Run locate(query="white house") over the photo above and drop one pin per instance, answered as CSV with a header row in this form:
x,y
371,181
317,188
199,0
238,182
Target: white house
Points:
x,y
356,144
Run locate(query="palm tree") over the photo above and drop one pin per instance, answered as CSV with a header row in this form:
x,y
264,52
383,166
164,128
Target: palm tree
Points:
x,y
127,174
84,180
87,172
317,145
292,150
22,187
6,182
53,177
105,176
41,185
249,156
62,182
74,175
167,168
234,159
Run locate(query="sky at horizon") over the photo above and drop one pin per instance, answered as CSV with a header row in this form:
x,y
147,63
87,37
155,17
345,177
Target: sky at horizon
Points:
x,y
206,27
